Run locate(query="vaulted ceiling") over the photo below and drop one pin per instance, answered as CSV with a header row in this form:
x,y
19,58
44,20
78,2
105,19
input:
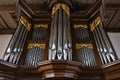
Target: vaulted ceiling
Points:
x,y
8,8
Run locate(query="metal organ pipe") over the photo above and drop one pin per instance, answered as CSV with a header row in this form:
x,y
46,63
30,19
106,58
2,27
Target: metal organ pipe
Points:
x,y
34,54
69,39
104,48
98,46
85,54
11,44
65,44
39,32
81,32
110,50
54,35
17,42
20,46
60,44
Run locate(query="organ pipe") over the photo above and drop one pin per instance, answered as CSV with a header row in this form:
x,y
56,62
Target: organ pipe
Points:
x,y
81,32
85,54
104,47
17,42
39,32
35,54
60,44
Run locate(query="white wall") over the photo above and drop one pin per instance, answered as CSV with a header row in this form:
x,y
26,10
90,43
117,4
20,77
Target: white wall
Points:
x,y
115,39
4,41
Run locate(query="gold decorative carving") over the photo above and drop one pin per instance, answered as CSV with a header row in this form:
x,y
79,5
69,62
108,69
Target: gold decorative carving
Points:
x,y
80,25
36,45
78,46
25,22
96,22
40,25
63,6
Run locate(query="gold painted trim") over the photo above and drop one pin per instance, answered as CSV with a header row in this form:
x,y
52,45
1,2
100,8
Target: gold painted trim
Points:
x,y
63,6
25,22
79,25
40,25
78,46
96,22
36,45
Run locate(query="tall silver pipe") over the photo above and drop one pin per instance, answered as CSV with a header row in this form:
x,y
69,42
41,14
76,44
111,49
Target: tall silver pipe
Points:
x,y
12,43
18,47
65,44
98,46
22,46
60,33
69,39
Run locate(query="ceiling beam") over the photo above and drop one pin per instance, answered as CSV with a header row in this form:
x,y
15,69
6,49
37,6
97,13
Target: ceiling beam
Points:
x,y
112,6
113,30
6,25
11,8
111,18
7,31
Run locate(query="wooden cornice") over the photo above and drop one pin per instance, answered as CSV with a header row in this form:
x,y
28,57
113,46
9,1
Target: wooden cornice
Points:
x,y
112,70
7,69
59,68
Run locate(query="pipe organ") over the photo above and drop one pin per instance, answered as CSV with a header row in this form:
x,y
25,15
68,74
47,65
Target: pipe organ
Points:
x,y
60,48
60,40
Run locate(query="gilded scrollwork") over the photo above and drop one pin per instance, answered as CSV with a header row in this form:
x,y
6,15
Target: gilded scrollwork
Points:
x,y
96,22
25,22
80,25
40,25
36,45
63,6
78,46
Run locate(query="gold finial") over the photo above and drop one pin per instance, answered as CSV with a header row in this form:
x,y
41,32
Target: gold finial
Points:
x,y
80,25
78,46
95,23
40,25
36,45
25,22
64,7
